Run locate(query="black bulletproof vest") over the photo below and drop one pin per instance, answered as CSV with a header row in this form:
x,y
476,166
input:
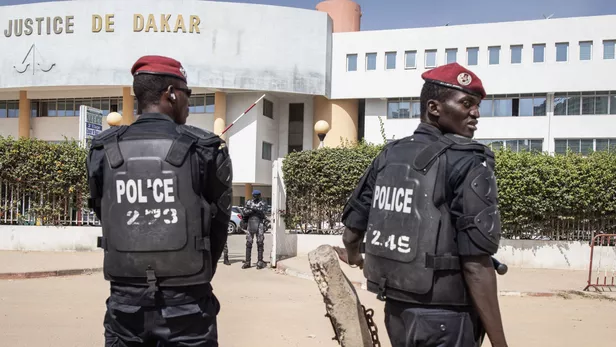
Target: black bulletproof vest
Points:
x,y
411,254
155,224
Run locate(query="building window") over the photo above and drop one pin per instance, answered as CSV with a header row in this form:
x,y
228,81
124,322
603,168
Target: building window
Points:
x,y
296,128
266,151
584,146
514,105
562,51
351,62
410,59
210,103
196,104
268,109
430,58
9,108
539,53
451,55
584,103
586,50
70,107
370,61
390,60
494,53
609,49
472,56
33,109
403,108
514,145
516,54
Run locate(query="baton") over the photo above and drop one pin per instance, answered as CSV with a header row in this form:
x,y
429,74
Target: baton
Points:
x,y
500,268
238,118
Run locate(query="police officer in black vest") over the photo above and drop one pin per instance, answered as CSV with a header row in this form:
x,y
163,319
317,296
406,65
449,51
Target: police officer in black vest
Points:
x,y
162,191
427,206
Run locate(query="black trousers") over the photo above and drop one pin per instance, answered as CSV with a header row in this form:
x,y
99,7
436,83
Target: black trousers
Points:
x,y
410,325
191,324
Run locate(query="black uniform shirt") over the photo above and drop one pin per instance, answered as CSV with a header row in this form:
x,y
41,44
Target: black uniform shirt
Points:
x,y
154,123
459,164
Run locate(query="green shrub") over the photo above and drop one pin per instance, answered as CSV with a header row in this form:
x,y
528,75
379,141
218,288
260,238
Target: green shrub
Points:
x,y
318,182
48,179
563,197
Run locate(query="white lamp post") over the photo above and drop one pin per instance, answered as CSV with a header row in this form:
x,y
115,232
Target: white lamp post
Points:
x,y
321,128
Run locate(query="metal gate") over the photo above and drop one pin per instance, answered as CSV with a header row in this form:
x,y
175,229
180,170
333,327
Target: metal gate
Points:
x,y
602,266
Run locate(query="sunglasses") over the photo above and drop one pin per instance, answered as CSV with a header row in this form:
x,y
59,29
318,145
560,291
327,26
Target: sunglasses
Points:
x,y
187,91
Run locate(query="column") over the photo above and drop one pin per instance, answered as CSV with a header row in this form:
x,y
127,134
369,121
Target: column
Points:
x,y
343,119
128,106
248,191
24,114
220,113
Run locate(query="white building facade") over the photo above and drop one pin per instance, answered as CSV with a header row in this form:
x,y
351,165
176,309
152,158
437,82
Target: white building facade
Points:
x,y
550,82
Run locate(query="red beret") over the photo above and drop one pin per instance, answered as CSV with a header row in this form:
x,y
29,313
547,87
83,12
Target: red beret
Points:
x,y
157,65
455,76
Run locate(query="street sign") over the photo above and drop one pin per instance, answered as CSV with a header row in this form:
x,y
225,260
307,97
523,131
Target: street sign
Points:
x,y
90,124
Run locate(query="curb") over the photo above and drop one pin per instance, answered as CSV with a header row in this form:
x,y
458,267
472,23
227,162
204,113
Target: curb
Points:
x,y
295,273
281,268
45,274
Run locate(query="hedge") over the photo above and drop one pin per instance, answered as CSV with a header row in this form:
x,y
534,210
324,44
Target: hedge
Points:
x,y
318,183
48,179
562,197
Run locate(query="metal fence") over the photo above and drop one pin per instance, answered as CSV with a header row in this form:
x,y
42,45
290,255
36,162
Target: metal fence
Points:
x,y
18,207
602,265
560,228
314,219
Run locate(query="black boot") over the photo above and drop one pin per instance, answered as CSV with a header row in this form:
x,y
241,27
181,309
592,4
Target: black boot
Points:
x,y
260,263
226,260
247,262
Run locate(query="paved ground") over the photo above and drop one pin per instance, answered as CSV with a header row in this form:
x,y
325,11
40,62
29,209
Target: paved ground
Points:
x,y
516,279
265,309
16,262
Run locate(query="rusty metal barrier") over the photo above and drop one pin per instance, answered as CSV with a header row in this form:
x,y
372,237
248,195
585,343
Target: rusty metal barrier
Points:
x,y
602,270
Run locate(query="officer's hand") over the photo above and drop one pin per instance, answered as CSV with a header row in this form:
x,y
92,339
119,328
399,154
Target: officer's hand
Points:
x,y
352,259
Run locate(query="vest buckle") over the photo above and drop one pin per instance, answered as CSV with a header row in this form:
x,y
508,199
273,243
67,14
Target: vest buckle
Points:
x,y
151,279
382,295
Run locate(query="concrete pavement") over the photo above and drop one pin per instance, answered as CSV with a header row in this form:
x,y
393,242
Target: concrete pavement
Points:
x,y
21,264
262,309
517,281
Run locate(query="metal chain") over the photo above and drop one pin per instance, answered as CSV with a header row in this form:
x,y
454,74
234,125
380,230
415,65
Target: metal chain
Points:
x,y
374,331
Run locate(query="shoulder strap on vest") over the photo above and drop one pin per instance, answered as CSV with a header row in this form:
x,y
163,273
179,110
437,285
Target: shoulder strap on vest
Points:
x,y
179,149
111,146
189,136
430,153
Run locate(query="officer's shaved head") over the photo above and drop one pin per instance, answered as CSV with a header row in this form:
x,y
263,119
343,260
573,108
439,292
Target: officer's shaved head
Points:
x,y
431,91
149,88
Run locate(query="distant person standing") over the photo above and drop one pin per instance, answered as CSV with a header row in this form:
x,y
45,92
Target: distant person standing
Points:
x,y
254,213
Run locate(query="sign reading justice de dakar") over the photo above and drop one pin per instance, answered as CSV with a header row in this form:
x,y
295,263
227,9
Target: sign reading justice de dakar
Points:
x,y
59,25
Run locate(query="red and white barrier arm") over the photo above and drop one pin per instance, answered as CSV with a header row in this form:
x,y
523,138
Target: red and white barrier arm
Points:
x,y
247,110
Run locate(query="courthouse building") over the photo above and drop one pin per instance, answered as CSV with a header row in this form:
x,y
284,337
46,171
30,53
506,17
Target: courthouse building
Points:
x,y
550,83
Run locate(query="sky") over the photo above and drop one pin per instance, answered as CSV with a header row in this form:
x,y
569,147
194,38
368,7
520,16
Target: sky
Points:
x,y
398,14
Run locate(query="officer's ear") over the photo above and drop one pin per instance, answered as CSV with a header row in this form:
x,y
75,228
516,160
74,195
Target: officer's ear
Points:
x,y
170,94
434,108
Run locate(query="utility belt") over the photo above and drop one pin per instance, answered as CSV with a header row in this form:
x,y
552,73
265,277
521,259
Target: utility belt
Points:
x,y
444,297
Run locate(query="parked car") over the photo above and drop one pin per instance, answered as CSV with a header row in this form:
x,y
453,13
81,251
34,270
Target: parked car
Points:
x,y
234,222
